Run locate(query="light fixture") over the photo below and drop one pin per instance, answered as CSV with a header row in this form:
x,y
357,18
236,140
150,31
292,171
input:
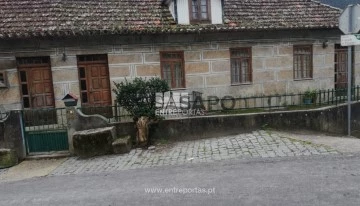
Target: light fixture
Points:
x,y
325,44
64,57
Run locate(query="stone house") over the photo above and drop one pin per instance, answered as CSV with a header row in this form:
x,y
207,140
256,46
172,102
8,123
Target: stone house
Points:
x,y
216,47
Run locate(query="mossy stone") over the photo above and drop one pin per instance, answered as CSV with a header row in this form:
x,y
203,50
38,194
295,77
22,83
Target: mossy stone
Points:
x,y
122,145
8,158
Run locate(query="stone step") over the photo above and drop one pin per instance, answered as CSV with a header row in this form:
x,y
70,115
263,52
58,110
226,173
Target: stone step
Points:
x,y
122,145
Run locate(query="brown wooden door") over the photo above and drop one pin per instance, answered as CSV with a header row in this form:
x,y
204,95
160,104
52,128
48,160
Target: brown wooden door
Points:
x,y
36,82
341,56
37,91
95,85
99,86
41,88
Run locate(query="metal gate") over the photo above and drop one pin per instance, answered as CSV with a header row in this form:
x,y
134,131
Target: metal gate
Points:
x,y
45,130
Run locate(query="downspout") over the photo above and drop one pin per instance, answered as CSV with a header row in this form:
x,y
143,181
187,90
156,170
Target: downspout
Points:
x,y
222,9
176,12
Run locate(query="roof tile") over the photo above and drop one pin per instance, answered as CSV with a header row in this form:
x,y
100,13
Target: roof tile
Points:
x,y
31,18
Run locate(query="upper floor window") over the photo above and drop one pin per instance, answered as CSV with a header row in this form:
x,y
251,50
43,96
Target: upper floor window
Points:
x,y
303,64
172,68
199,10
241,71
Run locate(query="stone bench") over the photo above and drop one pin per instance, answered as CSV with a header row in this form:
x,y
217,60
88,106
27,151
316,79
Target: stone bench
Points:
x,y
8,158
94,142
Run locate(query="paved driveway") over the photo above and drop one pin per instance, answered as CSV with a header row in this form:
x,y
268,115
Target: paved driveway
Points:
x,y
258,144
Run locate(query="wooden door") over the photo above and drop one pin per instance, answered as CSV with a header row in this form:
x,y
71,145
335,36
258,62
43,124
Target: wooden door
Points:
x,y
36,82
41,88
341,60
37,91
99,87
95,85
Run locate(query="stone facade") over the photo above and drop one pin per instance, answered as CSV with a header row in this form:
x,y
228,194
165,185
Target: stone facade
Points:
x,y
207,63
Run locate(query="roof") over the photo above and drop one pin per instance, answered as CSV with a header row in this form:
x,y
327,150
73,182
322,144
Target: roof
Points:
x,y
342,4
39,18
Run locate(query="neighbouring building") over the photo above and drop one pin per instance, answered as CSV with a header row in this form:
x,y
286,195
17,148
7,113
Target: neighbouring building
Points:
x,y
340,4
49,48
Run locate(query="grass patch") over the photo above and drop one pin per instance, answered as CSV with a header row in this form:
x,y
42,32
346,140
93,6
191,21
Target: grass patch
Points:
x,y
304,107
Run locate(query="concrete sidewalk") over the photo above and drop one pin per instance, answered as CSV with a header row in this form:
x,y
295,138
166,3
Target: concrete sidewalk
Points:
x,y
257,144
29,169
342,144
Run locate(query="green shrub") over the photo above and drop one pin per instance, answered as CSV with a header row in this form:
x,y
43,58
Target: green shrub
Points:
x,y
310,94
139,96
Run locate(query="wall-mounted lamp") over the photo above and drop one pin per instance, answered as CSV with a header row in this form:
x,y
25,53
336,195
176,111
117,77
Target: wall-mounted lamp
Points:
x,y
64,57
325,44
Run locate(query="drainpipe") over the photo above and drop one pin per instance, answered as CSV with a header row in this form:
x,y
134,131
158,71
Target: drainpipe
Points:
x,y
222,9
176,12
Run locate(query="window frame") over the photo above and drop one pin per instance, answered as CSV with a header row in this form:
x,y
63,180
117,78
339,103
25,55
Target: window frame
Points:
x,y
302,56
182,61
250,69
200,20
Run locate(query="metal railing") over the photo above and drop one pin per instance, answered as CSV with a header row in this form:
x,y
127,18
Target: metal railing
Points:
x,y
284,101
227,104
45,119
266,103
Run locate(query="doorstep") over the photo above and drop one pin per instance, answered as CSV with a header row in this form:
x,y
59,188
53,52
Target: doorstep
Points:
x,y
48,155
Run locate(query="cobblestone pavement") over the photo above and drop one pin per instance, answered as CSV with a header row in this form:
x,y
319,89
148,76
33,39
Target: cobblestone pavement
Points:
x,y
256,144
3,171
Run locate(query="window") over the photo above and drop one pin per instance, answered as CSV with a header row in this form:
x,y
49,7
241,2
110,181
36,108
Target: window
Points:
x,y
241,71
303,66
172,68
199,10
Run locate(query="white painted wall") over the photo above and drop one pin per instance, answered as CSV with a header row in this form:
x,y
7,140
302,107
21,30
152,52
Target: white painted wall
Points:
x,y
172,8
216,12
183,11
